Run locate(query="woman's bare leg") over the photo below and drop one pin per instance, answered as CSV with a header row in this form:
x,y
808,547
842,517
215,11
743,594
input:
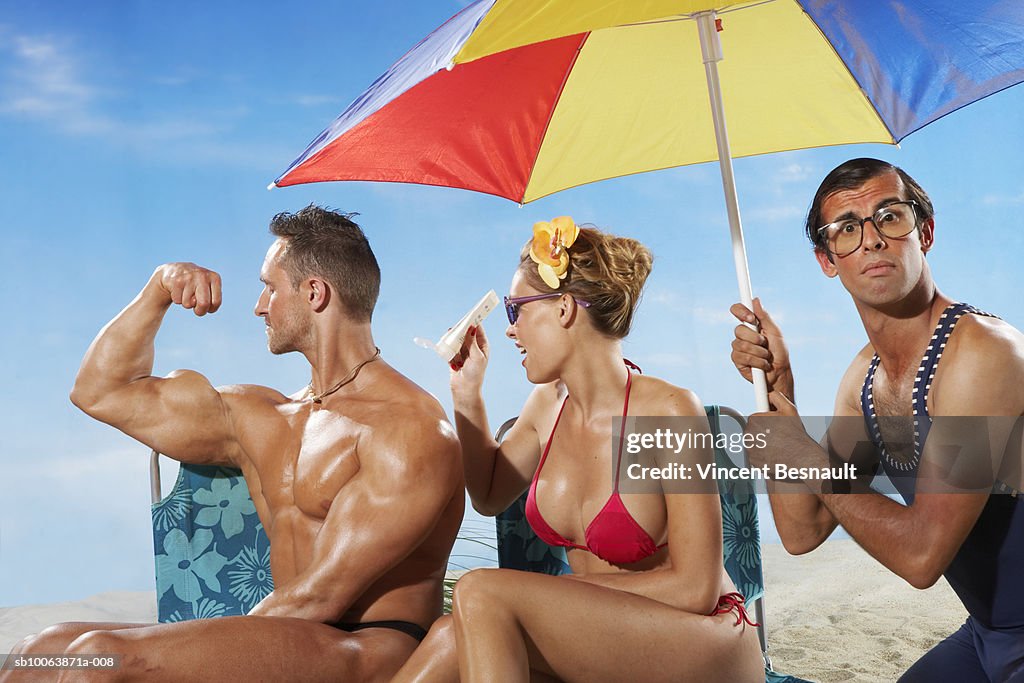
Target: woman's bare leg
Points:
x,y
435,660
507,623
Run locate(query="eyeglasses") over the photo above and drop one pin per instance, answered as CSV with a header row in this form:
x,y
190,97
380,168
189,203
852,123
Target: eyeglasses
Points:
x,y
894,220
512,304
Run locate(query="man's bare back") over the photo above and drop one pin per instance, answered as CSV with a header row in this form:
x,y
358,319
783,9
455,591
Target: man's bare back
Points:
x,y
360,491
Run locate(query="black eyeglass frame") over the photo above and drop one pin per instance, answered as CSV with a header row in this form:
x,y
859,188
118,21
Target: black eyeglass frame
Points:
x,y
879,227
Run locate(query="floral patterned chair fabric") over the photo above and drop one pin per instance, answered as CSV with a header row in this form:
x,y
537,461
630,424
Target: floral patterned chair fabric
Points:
x,y
741,536
212,554
520,548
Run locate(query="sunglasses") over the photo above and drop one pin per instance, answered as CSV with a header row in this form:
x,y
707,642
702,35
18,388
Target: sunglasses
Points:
x,y
512,304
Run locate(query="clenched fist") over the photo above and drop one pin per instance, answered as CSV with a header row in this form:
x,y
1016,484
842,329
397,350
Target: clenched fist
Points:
x,y
190,286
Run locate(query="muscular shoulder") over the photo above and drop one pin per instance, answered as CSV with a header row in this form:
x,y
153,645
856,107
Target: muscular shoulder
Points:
x,y
982,369
975,336
410,435
252,392
654,396
249,402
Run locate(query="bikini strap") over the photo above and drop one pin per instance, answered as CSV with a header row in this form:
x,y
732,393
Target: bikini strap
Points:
x,y
547,446
622,427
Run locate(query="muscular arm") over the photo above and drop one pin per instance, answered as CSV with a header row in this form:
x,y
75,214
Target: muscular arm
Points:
x,y
802,519
917,542
407,478
982,377
182,415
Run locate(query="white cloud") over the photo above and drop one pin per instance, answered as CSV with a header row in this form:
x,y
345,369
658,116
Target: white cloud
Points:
x,y
45,79
317,100
772,214
668,359
713,316
43,82
1003,200
794,172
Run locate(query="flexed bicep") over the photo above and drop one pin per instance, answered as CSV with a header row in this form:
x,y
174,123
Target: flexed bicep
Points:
x,y
182,416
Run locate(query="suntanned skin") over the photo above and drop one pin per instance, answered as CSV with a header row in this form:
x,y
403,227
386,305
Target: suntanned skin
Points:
x,y
361,495
981,373
603,622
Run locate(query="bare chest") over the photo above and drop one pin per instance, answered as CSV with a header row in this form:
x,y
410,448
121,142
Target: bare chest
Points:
x,y
893,399
312,458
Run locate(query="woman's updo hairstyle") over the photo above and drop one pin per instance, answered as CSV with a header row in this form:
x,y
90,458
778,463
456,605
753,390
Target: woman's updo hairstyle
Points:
x,y
605,270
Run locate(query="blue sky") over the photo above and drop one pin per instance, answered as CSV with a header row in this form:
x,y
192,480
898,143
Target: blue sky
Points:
x,y
137,133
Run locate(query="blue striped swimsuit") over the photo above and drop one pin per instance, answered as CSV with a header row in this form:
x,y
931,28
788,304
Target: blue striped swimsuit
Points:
x,y
987,572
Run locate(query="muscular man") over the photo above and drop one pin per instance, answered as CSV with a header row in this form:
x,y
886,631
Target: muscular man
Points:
x,y
357,478
929,366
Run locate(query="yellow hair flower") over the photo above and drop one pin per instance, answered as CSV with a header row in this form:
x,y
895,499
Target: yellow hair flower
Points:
x,y
551,241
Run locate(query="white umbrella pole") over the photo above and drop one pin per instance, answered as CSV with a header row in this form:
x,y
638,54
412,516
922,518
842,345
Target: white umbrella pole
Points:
x,y
711,48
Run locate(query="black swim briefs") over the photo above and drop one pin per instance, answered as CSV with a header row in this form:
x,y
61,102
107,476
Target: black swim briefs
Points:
x,y
406,627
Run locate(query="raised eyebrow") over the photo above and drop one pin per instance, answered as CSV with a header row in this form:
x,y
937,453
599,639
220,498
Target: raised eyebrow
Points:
x,y
851,215
886,202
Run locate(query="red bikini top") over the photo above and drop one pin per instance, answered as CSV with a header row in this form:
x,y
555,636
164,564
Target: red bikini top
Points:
x,y
613,535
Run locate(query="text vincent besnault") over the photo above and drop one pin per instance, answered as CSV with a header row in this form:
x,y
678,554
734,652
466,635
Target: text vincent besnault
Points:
x,y
666,439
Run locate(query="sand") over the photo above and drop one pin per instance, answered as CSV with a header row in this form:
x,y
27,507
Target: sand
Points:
x,y
119,606
833,615
838,615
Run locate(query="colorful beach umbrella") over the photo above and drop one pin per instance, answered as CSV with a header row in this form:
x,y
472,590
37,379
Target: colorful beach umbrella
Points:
x,y
523,98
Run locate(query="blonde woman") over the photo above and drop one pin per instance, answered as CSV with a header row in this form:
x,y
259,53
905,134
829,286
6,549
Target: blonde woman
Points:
x,y
649,599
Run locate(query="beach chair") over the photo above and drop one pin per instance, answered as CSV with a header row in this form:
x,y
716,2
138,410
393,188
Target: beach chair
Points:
x,y
519,548
212,554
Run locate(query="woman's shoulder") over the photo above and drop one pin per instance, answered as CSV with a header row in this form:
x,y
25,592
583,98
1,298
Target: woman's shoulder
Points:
x,y
655,396
541,400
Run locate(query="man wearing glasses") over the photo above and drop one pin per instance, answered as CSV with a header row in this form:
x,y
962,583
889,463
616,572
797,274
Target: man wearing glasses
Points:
x,y
929,362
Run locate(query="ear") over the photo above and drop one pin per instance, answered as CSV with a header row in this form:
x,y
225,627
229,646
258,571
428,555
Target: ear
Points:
x,y
927,235
318,294
826,263
566,310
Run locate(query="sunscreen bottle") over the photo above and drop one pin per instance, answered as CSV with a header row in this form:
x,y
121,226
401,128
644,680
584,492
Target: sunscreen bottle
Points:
x,y
450,343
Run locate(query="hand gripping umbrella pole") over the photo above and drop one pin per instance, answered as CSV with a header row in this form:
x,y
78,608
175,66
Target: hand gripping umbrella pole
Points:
x,y
711,49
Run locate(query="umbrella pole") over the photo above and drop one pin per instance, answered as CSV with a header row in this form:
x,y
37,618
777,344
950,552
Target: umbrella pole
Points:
x,y
711,49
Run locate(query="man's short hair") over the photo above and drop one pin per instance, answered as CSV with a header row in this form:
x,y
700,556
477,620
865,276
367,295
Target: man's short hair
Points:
x,y
327,244
851,175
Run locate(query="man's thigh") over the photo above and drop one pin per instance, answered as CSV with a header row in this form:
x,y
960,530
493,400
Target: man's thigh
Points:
x,y
253,648
1001,652
954,660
